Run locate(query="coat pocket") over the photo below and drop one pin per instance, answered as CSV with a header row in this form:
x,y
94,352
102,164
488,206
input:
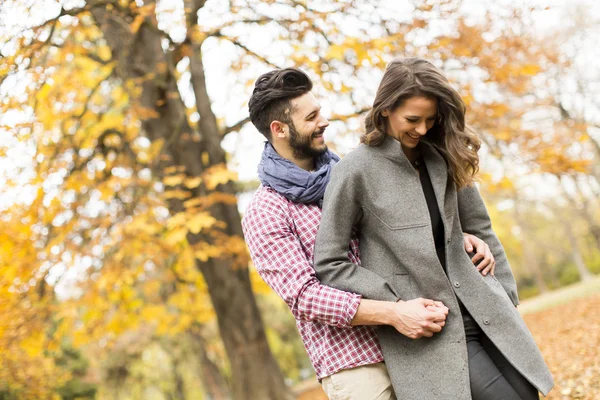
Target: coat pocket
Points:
x,y
399,222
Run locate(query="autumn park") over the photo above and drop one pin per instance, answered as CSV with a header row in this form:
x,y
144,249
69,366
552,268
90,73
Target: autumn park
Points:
x,y
127,160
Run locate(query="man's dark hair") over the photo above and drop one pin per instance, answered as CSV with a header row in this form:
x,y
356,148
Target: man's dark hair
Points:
x,y
271,97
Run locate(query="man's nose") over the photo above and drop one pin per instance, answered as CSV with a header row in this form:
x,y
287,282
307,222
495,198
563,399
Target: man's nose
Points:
x,y
323,123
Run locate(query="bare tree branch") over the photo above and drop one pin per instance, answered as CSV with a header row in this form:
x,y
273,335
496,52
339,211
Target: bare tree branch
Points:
x,y
346,116
92,92
74,12
194,6
236,127
247,50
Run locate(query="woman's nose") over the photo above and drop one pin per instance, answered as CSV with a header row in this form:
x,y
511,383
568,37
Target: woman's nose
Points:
x,y
421,128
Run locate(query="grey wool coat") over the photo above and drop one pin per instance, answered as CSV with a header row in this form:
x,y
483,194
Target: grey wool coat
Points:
x,y
377,191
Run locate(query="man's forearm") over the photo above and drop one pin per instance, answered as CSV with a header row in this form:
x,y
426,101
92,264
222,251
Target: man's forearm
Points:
x,y
373,312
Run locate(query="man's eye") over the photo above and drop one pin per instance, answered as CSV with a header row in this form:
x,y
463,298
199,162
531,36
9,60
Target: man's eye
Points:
x,y
412,121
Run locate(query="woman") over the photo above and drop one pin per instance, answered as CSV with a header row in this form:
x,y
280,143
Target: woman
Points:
x,y
408,190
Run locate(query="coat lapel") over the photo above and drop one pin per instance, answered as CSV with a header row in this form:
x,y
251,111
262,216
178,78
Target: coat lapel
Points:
x,y
438,173
435,163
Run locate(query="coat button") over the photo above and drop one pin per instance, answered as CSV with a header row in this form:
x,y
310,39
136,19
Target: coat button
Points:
x,y
486,321
448,240
456,284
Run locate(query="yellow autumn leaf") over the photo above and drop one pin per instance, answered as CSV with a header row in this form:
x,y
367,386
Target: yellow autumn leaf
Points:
x,y
173,180
176,236
144,113
115,326
258,284
44,91
197,36
104,52
165,325
201,255
174,169
218,175
193,202
177,220
80,338
191,183
33,344
206,252
200,221
177,194
182,323
530,69
147,10
336,52
203,250
137,22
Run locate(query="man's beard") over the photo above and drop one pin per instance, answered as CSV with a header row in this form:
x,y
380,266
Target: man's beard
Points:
x,y
302,145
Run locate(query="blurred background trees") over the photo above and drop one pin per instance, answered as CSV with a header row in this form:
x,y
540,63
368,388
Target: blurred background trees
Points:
x,y
126,157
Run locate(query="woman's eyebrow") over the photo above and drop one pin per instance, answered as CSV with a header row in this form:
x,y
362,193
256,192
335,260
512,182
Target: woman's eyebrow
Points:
x,y
418,116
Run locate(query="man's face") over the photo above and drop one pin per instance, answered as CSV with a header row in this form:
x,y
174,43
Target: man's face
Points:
x,y
307,127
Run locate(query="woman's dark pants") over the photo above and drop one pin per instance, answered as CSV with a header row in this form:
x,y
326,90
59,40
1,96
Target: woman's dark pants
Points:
x,y
492,376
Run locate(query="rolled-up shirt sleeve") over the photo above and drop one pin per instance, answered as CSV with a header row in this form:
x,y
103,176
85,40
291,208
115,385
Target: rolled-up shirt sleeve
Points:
x,y
279,259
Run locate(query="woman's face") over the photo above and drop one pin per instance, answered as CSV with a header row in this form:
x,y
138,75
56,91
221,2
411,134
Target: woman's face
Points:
x,y
409,122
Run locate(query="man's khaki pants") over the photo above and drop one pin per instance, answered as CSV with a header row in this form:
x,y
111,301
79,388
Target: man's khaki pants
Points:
x,y
367,382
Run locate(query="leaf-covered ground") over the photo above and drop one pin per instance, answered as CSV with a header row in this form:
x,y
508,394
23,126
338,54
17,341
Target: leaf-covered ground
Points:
x,y
569,337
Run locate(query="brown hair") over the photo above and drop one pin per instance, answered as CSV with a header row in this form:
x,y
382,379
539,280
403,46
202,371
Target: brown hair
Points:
x,y
271,97
457,142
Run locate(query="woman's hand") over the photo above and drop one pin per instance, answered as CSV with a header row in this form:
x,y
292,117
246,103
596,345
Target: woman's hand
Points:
x,y
483,255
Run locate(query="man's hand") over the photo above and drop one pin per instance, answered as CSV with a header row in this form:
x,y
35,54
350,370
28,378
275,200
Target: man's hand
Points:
x,y
483,255
419,317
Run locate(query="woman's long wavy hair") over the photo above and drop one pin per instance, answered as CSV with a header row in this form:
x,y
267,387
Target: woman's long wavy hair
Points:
x,y
457,142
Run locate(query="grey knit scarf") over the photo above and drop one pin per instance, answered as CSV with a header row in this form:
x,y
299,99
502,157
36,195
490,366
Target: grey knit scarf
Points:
x,y
293,182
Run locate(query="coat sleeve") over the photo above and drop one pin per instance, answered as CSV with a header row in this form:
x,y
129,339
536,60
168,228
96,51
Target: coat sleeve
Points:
x,y
341,212
474,219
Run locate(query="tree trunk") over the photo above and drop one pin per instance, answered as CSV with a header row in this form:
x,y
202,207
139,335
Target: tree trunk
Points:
x,y
596,166
255,372
531,261
213,381
576,256
529,258
584,272
588,213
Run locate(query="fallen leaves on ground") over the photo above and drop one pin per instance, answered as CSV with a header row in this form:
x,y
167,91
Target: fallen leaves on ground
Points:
x,y
569,338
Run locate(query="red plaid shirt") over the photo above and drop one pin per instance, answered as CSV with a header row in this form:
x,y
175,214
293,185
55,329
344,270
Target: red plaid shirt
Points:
x,y
281,237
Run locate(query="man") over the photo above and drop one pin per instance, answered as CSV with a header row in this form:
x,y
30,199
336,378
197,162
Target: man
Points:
x,y
280,228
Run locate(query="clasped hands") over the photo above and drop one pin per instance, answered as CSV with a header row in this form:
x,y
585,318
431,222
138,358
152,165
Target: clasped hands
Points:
x,y
420,317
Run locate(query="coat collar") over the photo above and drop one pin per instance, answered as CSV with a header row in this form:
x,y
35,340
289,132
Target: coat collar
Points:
x,y
392,149
435,163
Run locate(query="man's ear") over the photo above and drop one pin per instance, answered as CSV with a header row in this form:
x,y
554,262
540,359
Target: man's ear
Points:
x,y
278,129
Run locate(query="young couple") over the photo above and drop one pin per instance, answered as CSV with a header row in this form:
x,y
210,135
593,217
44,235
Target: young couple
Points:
x,y
389,275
